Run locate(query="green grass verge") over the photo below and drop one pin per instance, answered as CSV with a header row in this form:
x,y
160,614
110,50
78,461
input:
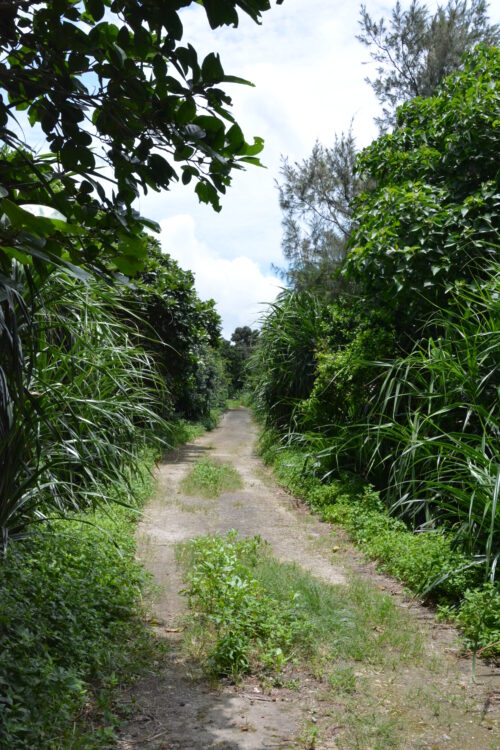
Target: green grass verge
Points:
x,y
71,627
184,432
243,399
427,563
210,479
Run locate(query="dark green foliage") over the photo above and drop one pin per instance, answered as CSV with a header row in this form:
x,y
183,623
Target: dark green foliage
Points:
x,y
433,426
72,68
236,354
417,49
353,337
432,221
69,615
102,364
85,403
182,333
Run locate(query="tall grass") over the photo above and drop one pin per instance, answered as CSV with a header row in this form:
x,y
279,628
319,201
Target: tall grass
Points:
x,y
77,407
433,428
284,362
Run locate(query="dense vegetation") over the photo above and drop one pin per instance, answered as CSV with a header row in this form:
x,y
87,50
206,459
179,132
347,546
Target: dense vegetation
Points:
x,y
60,212
387,371
393,374
105,347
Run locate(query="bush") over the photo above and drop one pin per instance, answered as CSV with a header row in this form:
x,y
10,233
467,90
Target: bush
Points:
x,y
283,366
432,219
479,618
353,338
431,437
80,411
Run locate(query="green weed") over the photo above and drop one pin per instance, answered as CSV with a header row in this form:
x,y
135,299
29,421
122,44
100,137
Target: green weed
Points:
x,y
249,611
342,680
346,621
210,479
244,630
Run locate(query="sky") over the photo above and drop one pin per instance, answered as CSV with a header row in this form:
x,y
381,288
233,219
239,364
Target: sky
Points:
x,y
307,67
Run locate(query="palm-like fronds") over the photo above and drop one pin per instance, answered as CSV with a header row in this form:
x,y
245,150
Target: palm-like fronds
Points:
x,y
75,413
433,428
284,363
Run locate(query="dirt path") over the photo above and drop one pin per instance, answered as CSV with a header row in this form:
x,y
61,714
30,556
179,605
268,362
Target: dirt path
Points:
x,y
175,709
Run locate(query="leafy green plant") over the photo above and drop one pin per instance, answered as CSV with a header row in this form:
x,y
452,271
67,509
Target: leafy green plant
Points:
x,y
181,332
170,127
211,478
71,624
243,629
432,219
431,435
82,409
479,619
353,337
91,381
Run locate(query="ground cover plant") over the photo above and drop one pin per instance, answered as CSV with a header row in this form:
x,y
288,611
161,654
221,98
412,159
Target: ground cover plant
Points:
x,y
210,478
74,617
428,563
238,626
365,656
72,625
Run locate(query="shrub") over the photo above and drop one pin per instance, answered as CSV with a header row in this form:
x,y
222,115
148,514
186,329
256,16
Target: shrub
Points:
x,y
432,219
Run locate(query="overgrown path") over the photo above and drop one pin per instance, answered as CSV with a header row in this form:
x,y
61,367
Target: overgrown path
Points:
x,y
390,701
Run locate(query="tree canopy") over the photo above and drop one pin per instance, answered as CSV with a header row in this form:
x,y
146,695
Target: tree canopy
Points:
x,y
315,198
122,102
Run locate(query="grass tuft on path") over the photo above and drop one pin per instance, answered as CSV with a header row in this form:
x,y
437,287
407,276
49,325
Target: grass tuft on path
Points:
x,y
210,479
251,613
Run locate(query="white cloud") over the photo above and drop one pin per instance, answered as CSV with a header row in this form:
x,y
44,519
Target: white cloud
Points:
x,y
237,284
